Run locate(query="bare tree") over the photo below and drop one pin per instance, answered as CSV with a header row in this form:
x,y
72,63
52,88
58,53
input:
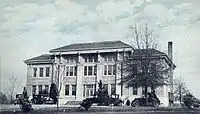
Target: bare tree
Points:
x,y
11,87
144,68
58,79
180,89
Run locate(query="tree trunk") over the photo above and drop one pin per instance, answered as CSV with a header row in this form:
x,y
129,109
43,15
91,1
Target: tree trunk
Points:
x,y
57,104
146,97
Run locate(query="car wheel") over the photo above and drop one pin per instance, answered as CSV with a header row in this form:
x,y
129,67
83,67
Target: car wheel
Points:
x,y
119,104
135,103
156,104
128,103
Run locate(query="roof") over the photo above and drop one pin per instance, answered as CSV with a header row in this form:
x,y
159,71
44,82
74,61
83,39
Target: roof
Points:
x,y
91,46
148,51
153,53
45,58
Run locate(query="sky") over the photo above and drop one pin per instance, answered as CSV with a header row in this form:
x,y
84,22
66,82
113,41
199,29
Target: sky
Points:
x,y
29,28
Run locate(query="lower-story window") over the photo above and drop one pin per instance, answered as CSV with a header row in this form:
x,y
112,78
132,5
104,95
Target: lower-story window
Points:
x,y
33,89
135,91
73,89
160,91
88,90
40,89
112,89
46,89
143,91
66,89
105,87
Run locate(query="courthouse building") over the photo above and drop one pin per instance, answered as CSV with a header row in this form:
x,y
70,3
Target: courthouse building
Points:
x,y
79,67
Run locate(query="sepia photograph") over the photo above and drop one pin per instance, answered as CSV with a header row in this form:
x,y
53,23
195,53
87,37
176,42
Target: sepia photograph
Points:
x,y
99,56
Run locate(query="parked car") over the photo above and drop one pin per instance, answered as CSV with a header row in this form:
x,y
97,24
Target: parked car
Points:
x,y
104,100
115,100
152,101
128,100
48,100
37,99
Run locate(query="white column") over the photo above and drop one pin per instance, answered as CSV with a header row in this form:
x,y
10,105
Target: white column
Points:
x,y
62,74
99,69
29,79
79,80
118,77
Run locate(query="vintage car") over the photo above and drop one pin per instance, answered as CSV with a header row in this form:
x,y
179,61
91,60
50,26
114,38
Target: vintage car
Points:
x,y
128,99
152,101
104,100
37,99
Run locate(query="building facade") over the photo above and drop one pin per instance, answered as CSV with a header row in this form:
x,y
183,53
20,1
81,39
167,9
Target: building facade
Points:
x,y
78,68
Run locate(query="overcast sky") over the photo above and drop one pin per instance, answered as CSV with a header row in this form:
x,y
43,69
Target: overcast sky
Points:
x,y
30,28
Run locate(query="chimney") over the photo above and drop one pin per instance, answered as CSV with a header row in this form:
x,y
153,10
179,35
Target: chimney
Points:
x,y
170,51
170,55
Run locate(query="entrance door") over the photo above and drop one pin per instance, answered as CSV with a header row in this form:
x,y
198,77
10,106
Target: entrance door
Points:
x,y
88,90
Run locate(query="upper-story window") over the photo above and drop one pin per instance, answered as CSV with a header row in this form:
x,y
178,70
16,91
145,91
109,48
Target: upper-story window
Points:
x,y
70,60
34,72
41,72
90,70
109,58
90,59
109,70
71,70
47,71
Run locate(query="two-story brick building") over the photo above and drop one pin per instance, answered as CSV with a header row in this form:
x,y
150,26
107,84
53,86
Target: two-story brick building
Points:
x,y
80,67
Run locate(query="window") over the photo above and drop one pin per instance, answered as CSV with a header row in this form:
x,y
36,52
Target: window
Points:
x,y
114,69
75,71
41,72
46,88
105,69
105,87
143,91
47,71
88,90
71,70
40,89
160,91
109,70
112,89
33,89
66,89
34,72
71,60
134,90
73,89
90,70
90,59
95,70
109,58
67,71
85,70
